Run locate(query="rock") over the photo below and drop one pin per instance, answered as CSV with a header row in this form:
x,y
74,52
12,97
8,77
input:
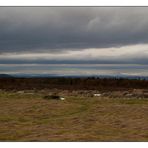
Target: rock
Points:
x,y
129,95
20,92
62,98
97,95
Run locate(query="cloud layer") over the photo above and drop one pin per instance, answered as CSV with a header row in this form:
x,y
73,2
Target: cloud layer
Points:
x,y
73,35
55,29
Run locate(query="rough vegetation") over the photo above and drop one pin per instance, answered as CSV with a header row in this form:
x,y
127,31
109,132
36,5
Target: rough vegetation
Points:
x,y
62,83
54,97
116,115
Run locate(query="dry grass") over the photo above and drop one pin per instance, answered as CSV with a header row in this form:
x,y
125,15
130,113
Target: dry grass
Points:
x,y
29,117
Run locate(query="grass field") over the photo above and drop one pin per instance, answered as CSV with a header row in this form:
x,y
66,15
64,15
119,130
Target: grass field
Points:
x,y
29,117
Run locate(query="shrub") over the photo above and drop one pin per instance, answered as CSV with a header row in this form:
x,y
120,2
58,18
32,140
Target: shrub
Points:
x,y
56,97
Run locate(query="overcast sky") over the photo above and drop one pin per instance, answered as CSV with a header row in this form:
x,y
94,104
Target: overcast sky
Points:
x,y
46,35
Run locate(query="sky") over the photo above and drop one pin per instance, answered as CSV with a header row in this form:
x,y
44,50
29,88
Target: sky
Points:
x,y
71,35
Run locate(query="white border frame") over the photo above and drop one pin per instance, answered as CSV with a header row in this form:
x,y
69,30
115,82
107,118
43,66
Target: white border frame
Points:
x,y
73,3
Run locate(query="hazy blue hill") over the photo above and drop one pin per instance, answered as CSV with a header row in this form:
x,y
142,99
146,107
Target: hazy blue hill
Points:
x,y
74,76
5,76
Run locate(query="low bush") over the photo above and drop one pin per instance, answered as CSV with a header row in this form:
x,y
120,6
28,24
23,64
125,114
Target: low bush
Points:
x,y
56,97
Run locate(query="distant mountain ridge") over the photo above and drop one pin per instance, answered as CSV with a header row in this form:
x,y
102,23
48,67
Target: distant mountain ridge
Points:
x,y
70,76
5,76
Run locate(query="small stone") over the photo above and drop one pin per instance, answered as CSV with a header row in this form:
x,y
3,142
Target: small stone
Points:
x,y
62,98
97,95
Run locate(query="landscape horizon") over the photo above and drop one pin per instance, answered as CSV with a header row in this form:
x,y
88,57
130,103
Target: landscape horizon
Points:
x,y
73,74
77,70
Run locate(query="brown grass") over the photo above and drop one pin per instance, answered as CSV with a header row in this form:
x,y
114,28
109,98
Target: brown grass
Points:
x,y
29,117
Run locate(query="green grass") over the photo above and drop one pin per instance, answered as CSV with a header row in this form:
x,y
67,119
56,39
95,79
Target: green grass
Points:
x,y
29,117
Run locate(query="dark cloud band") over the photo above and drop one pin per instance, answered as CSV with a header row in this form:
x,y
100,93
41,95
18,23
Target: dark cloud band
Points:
x,y
56,29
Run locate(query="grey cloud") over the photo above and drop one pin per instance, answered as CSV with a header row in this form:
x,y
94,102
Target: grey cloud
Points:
x,y
136,60
56,29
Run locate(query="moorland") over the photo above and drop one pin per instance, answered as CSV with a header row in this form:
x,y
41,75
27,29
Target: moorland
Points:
x,y
117,113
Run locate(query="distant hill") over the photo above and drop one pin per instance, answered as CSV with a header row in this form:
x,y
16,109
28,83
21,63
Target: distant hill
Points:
x,y
5,76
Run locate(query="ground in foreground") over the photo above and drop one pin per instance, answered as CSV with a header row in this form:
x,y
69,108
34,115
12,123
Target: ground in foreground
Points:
x,y
29,117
